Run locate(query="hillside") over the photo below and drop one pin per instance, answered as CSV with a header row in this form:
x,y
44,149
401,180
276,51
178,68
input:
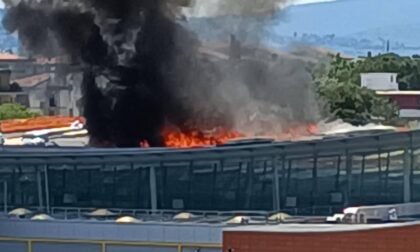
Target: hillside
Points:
x,y
350,26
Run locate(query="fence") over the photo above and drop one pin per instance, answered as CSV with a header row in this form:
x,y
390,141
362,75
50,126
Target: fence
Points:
x,y
52,245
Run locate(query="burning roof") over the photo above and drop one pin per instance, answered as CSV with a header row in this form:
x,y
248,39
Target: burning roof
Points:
x,y
144,74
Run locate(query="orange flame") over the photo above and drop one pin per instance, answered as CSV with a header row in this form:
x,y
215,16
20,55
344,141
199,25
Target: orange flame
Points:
x,y
195,138
198,138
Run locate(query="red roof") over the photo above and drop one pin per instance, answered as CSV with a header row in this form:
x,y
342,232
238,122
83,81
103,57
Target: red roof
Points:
x,y
52,61
32,81
11,57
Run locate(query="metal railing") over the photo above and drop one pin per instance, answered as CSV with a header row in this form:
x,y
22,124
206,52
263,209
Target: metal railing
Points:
x,y
104,246
72,213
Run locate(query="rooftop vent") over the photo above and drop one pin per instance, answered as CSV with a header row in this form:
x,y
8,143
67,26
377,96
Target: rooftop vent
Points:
x,y
279,217
184,216
101,213
127,220
42,217
239,220
20,212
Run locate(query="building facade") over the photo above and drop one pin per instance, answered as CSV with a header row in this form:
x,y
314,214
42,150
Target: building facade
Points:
x,y
407,101
49,86
315,177
319,238
380,81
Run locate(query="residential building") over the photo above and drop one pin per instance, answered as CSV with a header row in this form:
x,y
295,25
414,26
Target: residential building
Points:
x,y
46,93
408,102
379,81
386,85
10,93
19,66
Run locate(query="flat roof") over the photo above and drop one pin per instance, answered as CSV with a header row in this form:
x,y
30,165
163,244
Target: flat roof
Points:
x,y
398,92
318,228
326,147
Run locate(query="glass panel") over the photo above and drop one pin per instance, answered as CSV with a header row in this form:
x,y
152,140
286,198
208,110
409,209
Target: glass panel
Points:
x,y
300,185
173,181
109,186
358,170
329,193
231,185
204,177
27,187
394,178
7,186
262,188
383,179
415,188
57,180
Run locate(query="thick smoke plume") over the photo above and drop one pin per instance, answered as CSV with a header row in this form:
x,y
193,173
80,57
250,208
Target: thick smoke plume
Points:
x,y
145,71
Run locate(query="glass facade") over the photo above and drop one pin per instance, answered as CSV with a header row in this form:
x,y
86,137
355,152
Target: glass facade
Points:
x,y
316,177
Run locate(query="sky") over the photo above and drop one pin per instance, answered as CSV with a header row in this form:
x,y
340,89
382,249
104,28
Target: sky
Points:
x,y
345,17
299,2
296,2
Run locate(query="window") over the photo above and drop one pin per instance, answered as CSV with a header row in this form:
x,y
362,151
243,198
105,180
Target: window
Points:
x,y
23,100
52,102
6,99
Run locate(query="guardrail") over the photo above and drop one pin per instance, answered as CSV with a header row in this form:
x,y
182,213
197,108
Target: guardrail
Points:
x,y
67,213
104,246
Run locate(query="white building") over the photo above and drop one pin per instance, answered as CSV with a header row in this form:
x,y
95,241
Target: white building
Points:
x,y
380,81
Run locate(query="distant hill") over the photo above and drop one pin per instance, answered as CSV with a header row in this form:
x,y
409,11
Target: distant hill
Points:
x,y
345,17
406,34
351,26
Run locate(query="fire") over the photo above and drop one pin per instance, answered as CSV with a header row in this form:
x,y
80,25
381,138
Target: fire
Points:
x,y
198,138
175,138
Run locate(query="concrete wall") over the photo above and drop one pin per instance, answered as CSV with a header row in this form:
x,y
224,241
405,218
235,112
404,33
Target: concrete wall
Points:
x,y
37,96
379,81
101,236
401,239
13,246
78,246
75,80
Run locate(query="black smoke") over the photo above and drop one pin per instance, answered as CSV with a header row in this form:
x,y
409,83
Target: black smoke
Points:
x,y
131,45
144,71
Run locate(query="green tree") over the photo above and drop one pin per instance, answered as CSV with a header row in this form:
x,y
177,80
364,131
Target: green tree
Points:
x,y
408,69
338,85
15,111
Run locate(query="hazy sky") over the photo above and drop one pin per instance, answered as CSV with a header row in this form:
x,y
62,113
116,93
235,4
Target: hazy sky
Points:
x,y
312,1
297,1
